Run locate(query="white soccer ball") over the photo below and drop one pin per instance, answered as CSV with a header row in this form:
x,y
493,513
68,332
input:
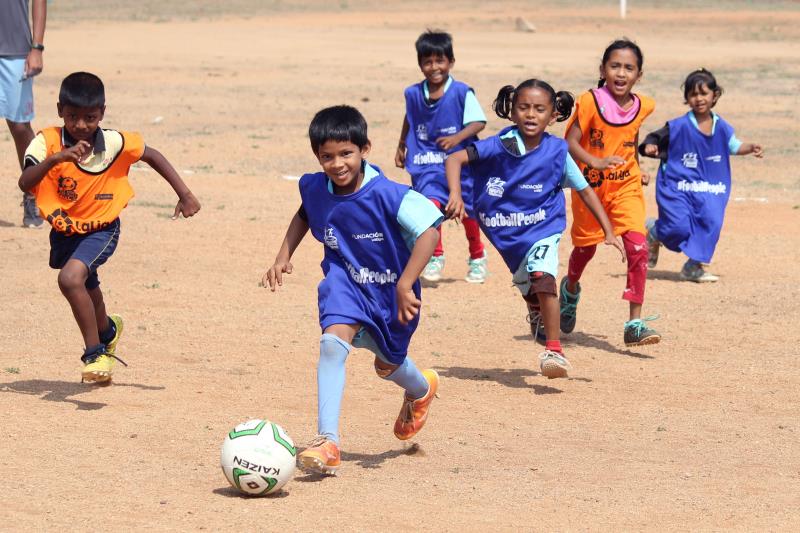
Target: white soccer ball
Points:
x,y
258,457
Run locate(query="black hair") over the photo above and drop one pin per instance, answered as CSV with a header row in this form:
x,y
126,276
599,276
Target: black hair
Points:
x,y
341,123
435,43
700,77
622,44
562,101
82,89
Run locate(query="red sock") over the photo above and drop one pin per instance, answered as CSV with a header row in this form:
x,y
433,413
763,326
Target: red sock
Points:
x,y
439,250
553,346
473,233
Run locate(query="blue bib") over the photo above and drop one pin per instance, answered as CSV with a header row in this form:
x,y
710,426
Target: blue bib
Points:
x,y
693,187
365,254
424,158
518,199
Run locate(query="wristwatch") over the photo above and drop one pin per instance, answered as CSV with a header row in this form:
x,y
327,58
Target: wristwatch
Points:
x,y
37,46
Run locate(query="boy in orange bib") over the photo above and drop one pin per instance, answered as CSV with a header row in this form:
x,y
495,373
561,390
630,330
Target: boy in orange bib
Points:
x,y
602,136
79,176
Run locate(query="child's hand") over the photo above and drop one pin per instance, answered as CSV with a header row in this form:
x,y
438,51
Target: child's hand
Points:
x,y
400,156
616,242
455,208
75,153
645,178
408,304
651,150
758,151
187,206
274,276
606,163
447,143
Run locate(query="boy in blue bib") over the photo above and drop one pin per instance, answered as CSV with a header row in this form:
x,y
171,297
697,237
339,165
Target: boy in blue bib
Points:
x,y
694,179
378,237
517,195
442,117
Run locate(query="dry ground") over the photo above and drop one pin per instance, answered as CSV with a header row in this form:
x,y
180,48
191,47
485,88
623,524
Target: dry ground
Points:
x,y
697,433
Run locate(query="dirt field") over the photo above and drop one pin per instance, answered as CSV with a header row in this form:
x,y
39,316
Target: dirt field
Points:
x,y
698,433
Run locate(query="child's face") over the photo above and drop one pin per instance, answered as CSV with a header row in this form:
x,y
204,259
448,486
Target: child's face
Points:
x,y
621,72
341,162
436,68
81,122
532,112
701,99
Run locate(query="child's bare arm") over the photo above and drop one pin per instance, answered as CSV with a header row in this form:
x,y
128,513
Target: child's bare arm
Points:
x,y
579,154
400,156
470,130
407,303
452,169
32,175
593,203
187,205
751,148
294,235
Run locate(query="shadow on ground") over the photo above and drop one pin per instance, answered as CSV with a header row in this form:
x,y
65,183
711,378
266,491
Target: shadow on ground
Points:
x,y
599,341
62,391
230,492
509,377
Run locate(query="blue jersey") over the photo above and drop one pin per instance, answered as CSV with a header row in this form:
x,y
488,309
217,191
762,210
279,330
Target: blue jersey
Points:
x,y
518,198
693,187
424,158
365,254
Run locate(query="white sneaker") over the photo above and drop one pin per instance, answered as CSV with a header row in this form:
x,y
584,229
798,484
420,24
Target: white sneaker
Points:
x,y
433,270
695,272
553,364
478,269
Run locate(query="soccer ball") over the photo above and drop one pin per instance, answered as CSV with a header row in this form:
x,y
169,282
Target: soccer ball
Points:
x,y
258,457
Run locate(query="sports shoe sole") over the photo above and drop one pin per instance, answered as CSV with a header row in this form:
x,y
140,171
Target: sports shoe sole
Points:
x,y
702,279
469,280
313,465
652,339
552,370
96,376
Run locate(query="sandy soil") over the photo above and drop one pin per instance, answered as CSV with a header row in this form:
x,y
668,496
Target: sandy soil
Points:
x,y
697,433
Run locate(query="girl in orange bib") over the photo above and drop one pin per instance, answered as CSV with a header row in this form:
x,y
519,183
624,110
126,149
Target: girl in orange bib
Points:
x,y
603,136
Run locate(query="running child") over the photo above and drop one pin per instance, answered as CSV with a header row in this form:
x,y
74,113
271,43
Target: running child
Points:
x,y
518,176
694,179
442,117
79,176
377,235
602,136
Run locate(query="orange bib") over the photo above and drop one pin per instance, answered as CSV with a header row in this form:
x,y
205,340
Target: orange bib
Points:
x,y
74,200
620,188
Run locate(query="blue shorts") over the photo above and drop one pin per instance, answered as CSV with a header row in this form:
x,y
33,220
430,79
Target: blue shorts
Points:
x,y
91,249
16,97
541,257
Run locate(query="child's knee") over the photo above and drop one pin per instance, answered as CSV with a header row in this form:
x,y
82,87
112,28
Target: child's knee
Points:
x,y
635,247
541,282
384,369
71,278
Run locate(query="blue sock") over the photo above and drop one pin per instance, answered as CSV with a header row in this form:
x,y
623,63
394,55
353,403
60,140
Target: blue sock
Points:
x,y
411,379
333,353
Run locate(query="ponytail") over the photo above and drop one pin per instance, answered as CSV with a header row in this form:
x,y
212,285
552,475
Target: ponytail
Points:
x,y
563,105
504,101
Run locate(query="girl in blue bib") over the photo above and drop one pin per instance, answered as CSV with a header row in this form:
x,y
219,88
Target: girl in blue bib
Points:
x,y
694,179
518,177
378,236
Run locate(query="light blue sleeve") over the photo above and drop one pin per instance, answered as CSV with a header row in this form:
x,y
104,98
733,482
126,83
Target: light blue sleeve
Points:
x,y
472,109
572,177
734,144
416,215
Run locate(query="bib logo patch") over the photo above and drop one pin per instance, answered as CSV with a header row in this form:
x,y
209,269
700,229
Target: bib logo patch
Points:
x,y
689,160
596,138
494,187
593,176
330,239
66,188
422,132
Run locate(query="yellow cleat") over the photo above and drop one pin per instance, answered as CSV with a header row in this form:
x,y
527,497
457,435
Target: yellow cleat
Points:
x,y
111,347
99,367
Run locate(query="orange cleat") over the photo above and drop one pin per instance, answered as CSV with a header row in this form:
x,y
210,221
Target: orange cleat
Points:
x,y
414,413
322,456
